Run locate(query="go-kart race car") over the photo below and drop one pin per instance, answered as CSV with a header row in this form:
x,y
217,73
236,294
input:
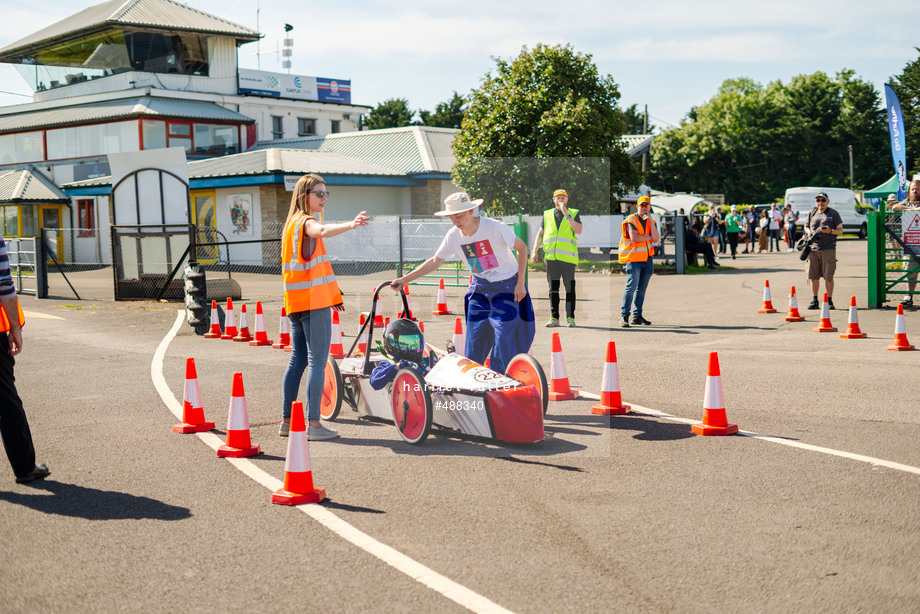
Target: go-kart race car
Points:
x,y
456,394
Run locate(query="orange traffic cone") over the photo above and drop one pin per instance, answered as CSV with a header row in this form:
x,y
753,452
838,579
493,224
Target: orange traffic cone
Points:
x,y
853,331
900,334
767,303
559,381
363,336
192,412
441,308
230,322
793,315
238,442
244,334
335,349
714,419
378,314
214,333
284,332
403,314
611,400
825,326
459,339
261,334
298,476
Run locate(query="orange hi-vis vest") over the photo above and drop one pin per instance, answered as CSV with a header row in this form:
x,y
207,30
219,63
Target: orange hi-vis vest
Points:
x,y
309,283
635,251
5,321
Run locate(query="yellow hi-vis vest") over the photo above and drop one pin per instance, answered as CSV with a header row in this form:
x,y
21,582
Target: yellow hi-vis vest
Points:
x,y
559,243
638,251
5,321
308,282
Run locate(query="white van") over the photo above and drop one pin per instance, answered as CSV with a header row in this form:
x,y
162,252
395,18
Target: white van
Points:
x,y
840,199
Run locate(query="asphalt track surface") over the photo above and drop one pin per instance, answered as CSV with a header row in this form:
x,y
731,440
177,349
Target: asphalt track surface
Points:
x,y
622,513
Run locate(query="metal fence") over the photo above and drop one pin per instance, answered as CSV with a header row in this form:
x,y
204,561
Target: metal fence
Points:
x,y
893,255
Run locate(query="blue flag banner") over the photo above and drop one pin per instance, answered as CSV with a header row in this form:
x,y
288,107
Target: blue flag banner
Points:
x,y
898,143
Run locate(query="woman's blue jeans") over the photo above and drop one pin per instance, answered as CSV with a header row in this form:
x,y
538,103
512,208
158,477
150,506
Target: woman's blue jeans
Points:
x,y
311,334
638,275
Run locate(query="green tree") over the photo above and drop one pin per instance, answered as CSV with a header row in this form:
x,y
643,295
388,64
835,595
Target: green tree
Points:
x,y
751,142
907,87
446,115
634,121
392,113
546,119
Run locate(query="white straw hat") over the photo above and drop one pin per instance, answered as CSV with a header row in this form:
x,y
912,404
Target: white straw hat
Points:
x,y
458,202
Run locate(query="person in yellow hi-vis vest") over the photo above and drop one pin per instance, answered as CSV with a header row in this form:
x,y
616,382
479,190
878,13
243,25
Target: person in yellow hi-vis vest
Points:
x,y
558,238
310,294
14,426
637,246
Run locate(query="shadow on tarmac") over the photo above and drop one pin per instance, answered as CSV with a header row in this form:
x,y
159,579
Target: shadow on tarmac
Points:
x,y
94,504
330,504
650,429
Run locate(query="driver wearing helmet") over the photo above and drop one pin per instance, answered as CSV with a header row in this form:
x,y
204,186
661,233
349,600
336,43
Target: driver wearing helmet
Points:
x,y
404,345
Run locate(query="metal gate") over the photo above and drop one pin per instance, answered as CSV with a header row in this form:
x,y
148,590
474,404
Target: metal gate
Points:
x,y
147,258
894,255
22,254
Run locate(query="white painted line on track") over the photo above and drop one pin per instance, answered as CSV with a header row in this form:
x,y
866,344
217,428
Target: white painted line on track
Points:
x,y
457,593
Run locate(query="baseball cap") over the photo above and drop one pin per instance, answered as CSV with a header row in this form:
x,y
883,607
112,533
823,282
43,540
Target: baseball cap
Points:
x,y
821,194
560,193
644,200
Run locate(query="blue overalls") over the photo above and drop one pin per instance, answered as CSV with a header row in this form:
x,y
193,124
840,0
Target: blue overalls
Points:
x,y
496,323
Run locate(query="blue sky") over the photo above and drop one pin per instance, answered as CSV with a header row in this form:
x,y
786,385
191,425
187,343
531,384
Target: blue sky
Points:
x,y
670,55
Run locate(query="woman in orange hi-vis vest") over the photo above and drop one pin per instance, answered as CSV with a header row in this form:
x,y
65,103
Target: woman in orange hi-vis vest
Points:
x,y
310,295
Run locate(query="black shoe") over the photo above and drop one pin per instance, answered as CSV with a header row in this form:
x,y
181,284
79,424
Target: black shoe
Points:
x,y
814,304
830,303
38,473
712,266
640,320
624,323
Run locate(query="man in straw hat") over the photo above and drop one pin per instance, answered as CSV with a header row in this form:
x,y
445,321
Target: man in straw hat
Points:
x,y
497,307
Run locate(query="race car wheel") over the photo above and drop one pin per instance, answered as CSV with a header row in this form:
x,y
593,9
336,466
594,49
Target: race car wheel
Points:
x,y
525,369
412,408
333,389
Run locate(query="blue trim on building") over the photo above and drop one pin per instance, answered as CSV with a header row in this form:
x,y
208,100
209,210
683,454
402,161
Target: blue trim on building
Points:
x,y
209,183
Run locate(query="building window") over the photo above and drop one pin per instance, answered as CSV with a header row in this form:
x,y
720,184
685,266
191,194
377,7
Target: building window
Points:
x,y
154,134
277,127
336,126
216,139
22,147
306,126
92,140
180,135
86,223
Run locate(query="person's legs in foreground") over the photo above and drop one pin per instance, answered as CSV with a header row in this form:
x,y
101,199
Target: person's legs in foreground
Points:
x,y
480,336
907,265
514,329
733,243
553,276
311,334
14,426
645,275
568,280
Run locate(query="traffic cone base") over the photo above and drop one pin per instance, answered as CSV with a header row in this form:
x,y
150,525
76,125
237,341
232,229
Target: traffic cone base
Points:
x,y
894,347
605,410
184,427
706,429
230,452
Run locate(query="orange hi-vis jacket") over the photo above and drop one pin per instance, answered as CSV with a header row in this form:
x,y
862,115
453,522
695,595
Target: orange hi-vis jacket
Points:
x,y
309,282
638,251
5,321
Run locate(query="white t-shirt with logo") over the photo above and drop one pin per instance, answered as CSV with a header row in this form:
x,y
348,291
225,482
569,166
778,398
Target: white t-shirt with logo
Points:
x,y
487,253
